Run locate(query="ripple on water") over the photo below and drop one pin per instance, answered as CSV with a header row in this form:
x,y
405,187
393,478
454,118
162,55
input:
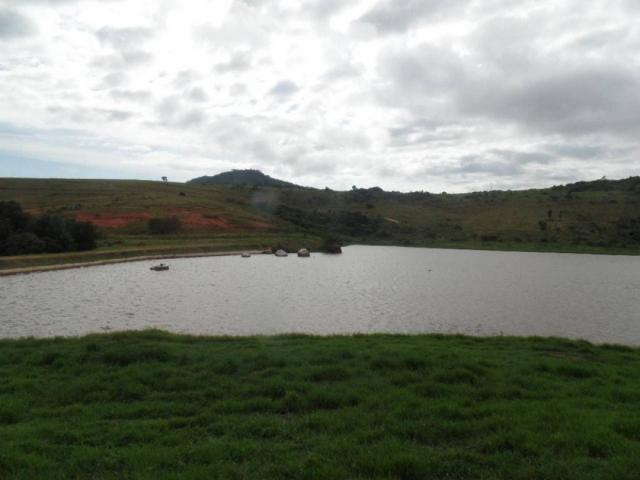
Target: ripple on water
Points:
x,y
367,289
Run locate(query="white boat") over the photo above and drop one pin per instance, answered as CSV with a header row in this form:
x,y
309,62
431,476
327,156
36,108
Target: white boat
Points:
x,y
160,268
245,255
303,252
281,253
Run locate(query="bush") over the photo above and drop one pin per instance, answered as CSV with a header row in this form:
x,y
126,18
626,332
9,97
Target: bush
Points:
x,y
5,230
51,232
52,229
23,243
14,216
84,235
165,226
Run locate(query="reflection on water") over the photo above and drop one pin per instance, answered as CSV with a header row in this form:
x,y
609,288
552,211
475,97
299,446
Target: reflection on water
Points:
x,y
367,289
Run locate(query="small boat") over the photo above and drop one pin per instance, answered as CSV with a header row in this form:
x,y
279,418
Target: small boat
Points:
x,y
281,253
303,252
245,255
160,268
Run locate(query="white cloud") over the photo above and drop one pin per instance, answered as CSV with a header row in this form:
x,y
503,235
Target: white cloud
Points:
x,y
412,95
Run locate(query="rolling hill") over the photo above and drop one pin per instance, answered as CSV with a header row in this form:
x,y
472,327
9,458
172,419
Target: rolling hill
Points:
x,y
241,177
601,216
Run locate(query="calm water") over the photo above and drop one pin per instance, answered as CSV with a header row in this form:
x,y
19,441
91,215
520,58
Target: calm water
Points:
x,y
367,289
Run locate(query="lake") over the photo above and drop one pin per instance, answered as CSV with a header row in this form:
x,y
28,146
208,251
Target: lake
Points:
x,y
366,289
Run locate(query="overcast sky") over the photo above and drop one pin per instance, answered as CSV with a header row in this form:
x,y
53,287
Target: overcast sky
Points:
x,y
437,95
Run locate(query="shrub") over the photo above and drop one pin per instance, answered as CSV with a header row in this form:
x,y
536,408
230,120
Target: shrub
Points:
x,y
14,215
51,232
52,229
23,243
84,235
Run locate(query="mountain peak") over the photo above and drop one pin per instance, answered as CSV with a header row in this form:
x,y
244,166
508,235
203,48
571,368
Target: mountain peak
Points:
x,y
242,177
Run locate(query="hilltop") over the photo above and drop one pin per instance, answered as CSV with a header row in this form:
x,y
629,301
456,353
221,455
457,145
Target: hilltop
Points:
x,y
242,177
600,217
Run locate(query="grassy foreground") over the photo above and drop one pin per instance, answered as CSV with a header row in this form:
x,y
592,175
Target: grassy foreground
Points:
x,y
156,405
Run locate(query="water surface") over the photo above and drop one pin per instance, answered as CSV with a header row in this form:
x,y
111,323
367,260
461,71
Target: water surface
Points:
x,y
367,289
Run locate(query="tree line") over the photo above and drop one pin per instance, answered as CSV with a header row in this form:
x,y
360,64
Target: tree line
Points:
x,y
22,233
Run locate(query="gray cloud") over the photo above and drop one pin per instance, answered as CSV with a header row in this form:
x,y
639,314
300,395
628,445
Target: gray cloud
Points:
x,y
323,9
237,89
168,107
342,71
396,16
114,79
423,78
191,118
126,43
539,95
123,38
588,152
123,60
239,62
115,115
604,98
184,78
131,95
498,163
424,131
84,114
284,88
171,113
198,95
15,25
55,3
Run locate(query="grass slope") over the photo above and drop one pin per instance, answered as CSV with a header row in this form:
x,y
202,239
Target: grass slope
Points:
x,y
586,217
155,405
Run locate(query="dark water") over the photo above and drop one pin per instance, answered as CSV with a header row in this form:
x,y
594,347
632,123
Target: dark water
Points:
x,y
367,289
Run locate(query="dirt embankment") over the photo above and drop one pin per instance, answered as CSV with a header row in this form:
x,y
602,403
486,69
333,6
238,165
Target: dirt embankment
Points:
x,y
190,220
112,220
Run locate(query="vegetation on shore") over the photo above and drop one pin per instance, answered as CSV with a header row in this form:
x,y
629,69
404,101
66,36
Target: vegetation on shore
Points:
x,y
157,405
50,232
594,217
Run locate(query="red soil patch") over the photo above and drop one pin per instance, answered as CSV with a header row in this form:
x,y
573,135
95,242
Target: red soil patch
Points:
x,y
190,220
112,220
200,221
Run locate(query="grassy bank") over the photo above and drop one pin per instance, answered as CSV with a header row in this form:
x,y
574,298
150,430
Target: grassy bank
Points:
x,y
511,247
155,405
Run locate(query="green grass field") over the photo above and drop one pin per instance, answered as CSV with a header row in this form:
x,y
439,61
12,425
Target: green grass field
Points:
x,y
155,405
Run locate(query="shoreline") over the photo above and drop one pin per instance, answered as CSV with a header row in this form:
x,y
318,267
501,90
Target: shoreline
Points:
x,y
98,263
173,335
117,257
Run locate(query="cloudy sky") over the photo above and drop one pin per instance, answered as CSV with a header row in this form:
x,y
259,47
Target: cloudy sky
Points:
x,y
452,95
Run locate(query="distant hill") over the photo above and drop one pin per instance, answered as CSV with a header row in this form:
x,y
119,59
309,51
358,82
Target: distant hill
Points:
x,y
242,177
601,215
